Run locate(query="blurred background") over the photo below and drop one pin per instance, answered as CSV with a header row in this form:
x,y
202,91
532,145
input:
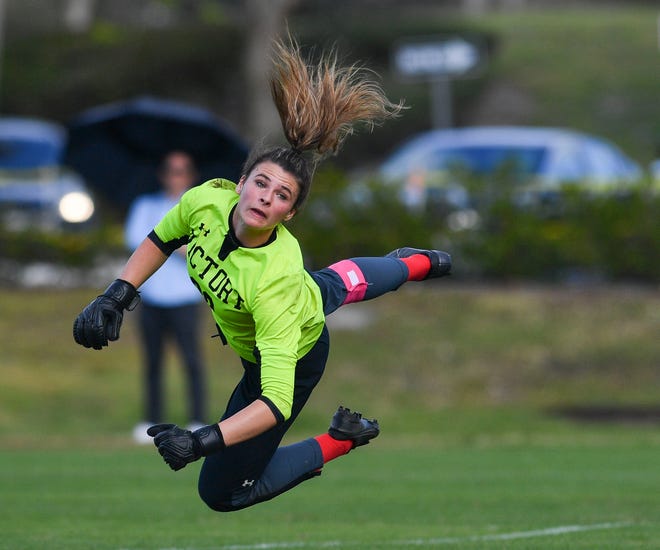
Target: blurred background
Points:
x,y
125,80
527,151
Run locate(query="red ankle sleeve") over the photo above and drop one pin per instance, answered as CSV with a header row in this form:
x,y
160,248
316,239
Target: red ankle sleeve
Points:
x,y
418,266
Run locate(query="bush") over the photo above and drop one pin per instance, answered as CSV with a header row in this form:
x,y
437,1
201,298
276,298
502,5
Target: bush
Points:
x,y
611,237
73,248
333,225
606,236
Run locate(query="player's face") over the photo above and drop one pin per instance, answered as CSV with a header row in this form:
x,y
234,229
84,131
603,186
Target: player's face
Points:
x,y
268,195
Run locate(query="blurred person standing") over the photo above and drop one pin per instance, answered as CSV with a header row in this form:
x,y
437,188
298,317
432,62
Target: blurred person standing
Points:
x,y
170,302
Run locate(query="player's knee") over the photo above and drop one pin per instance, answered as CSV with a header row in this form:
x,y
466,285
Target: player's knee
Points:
x,y
214,502
219,503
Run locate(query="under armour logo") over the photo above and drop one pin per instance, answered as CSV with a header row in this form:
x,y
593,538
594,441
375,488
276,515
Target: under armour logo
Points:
x,y
248,483
205,231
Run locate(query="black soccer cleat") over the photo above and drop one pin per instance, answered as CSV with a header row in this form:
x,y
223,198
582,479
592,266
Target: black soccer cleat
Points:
x,y
350,425
440,261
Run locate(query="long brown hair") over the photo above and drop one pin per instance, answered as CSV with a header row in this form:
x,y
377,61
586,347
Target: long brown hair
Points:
x,y
319,106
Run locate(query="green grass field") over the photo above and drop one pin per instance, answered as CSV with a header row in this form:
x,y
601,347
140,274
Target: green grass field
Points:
x,y
465,381
602,495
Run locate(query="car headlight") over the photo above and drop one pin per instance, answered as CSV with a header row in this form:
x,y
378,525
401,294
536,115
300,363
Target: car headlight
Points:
x,y
76,207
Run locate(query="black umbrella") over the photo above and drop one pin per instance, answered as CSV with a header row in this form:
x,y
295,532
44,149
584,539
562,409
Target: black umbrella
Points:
x,y
118,147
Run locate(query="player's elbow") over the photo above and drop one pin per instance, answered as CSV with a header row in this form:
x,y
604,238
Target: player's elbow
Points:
x,y
280,408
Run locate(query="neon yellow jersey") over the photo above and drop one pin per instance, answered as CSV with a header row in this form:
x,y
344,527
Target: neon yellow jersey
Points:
x,y
262,298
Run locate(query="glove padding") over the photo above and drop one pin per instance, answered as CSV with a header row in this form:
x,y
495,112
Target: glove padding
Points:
x,y
180,447
101,320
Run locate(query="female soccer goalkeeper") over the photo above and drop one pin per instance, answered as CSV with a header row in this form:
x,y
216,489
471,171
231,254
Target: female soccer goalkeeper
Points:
x,y
268,308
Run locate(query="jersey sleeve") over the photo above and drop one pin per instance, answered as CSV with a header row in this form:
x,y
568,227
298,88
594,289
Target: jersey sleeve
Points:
x,y
277,338
173,230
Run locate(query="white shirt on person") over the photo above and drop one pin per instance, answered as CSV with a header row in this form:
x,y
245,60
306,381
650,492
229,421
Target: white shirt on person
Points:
x,y
170,286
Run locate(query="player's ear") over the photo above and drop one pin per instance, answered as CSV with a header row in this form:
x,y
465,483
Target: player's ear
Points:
x,y
290,215
240,184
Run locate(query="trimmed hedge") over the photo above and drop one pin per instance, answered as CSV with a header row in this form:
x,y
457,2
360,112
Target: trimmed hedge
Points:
x,y
72,248
607,237
604,236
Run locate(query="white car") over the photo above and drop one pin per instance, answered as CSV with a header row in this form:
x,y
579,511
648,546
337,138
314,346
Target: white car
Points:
x,y
36,191
539,160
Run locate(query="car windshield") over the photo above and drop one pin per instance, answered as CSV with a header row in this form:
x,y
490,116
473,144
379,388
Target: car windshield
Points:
x,y
18,154
486,160
479,160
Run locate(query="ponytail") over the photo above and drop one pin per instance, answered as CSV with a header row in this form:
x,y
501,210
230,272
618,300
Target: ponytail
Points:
x,y
319,107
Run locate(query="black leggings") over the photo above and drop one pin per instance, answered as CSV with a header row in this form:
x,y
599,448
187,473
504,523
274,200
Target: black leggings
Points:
x,y
182,322
259,469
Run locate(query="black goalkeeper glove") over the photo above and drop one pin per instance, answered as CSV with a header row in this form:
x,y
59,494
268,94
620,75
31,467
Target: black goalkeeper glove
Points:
x,y
179,447
101,320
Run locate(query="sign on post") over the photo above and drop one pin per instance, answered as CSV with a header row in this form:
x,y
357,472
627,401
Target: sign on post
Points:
x,y
449,58
437,61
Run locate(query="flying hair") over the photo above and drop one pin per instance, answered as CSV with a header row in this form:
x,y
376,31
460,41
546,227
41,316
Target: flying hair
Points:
x,y
320,105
